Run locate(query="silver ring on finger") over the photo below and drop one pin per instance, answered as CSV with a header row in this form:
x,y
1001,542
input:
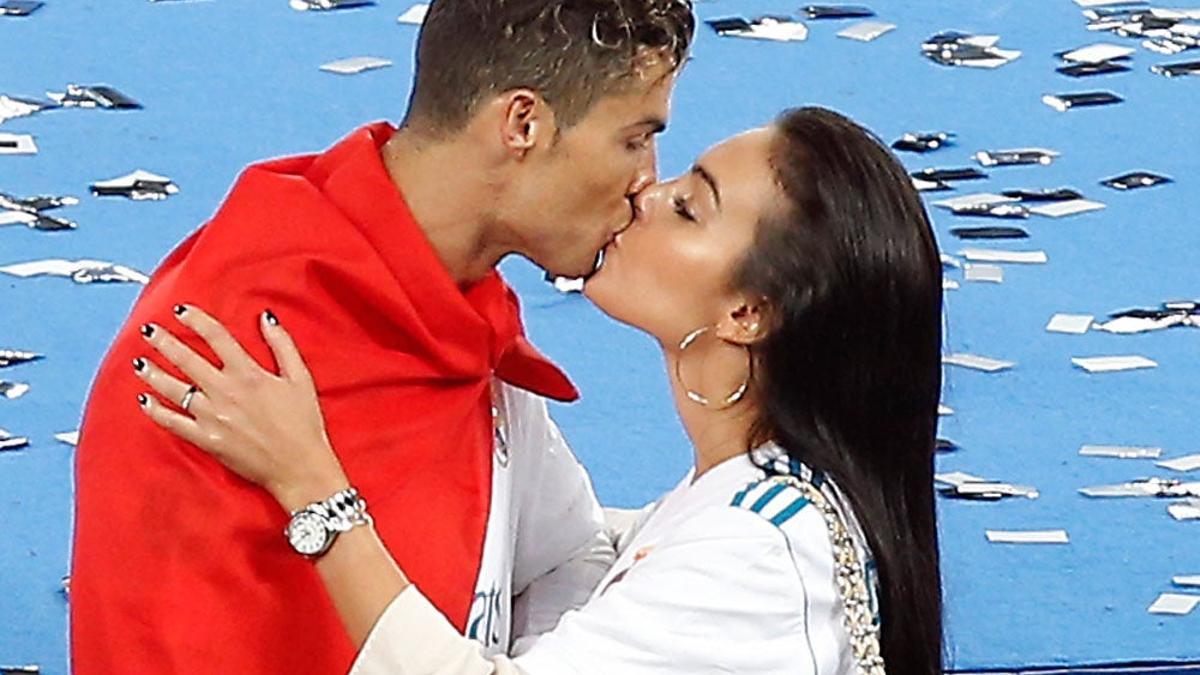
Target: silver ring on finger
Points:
x,y
186,401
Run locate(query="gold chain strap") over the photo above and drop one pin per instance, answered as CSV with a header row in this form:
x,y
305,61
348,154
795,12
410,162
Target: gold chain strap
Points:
x,y
851,577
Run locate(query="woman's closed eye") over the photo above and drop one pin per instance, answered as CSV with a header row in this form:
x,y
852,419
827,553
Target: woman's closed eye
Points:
x,y
682,208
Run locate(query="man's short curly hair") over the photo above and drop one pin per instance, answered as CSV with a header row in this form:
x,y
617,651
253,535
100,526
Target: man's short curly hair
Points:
x,y
572,52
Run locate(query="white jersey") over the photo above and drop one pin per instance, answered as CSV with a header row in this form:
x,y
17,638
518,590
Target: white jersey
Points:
x,y
545,548
729,573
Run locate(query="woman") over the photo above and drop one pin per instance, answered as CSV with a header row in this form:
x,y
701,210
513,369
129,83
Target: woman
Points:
x,y
799,318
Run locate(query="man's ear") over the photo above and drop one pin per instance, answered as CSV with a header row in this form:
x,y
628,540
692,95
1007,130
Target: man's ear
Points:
x,y
526,121
746,321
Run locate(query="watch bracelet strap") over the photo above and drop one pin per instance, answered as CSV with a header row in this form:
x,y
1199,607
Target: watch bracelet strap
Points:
x,y
344,510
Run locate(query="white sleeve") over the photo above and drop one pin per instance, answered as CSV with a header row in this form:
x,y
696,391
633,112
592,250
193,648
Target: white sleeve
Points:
x,y
414,638
724,595
562,549
623,525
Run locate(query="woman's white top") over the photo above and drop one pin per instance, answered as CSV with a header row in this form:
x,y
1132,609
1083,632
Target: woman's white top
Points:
x,y
730,573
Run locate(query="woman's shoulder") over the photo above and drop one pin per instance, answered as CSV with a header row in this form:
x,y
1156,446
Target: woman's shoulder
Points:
x,y
773,513
791,518
778,500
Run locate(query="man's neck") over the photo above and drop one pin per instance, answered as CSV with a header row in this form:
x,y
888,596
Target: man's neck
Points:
x,y
448,193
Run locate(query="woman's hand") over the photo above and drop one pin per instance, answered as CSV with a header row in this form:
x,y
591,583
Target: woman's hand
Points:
x,y
267,428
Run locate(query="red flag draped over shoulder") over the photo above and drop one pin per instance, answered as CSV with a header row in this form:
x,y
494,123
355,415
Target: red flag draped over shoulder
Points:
x,y
181,567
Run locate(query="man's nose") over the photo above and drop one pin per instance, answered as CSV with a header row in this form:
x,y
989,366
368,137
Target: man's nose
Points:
x,y
647,175
645,199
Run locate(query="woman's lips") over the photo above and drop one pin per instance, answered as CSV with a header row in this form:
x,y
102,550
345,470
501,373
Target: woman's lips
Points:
x,y
616,238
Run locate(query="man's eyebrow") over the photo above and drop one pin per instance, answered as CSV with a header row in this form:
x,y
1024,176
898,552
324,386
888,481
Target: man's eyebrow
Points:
x,y
708,178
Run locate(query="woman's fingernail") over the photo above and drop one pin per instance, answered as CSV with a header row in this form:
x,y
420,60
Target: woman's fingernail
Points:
x,y
143,400
139,364
270,318
148,330
180,310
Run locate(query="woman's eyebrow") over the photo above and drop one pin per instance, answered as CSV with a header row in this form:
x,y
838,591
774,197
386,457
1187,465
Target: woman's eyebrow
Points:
x,y
712,183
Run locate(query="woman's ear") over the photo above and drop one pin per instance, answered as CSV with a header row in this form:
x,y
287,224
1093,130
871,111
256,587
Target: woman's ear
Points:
x,y
745,322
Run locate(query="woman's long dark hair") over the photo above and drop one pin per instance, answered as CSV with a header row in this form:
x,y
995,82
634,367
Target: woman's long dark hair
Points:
x,y
851,371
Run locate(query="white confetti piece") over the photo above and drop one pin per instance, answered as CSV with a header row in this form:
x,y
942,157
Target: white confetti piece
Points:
x,y
1067,208
1120,452
80,271
1100,3
992,489
970,485
976,362
1185,510
867,30
15,107
355,65
993,274
16,218
1098,53
1028,536
68,437
950,261
9,442
132,177
991,255
137,185
1073,324
11,390
1111,364
1177,604
17,144
777,31
1130,325
1188,463
958,478
415,15
1065,102
1017,157
975,199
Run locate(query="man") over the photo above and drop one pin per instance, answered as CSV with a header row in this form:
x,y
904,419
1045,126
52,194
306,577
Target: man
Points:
x,y
379,255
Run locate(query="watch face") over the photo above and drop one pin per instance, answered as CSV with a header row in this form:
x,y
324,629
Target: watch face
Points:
x,y
308,533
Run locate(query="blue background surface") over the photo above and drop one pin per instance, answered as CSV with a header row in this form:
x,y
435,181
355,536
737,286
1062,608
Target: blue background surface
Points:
x,y
228,83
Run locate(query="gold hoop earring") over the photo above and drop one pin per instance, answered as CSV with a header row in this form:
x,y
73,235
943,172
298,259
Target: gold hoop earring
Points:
x,y
730,400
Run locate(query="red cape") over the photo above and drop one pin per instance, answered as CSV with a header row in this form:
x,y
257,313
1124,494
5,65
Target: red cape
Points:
x,y
180,566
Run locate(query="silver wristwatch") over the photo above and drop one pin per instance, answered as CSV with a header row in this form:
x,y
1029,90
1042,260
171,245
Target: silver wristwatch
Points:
x,y
313,529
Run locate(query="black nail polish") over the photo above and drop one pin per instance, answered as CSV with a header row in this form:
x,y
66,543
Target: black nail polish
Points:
x,y
143,400
180,310
139,364
270,317
147,330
